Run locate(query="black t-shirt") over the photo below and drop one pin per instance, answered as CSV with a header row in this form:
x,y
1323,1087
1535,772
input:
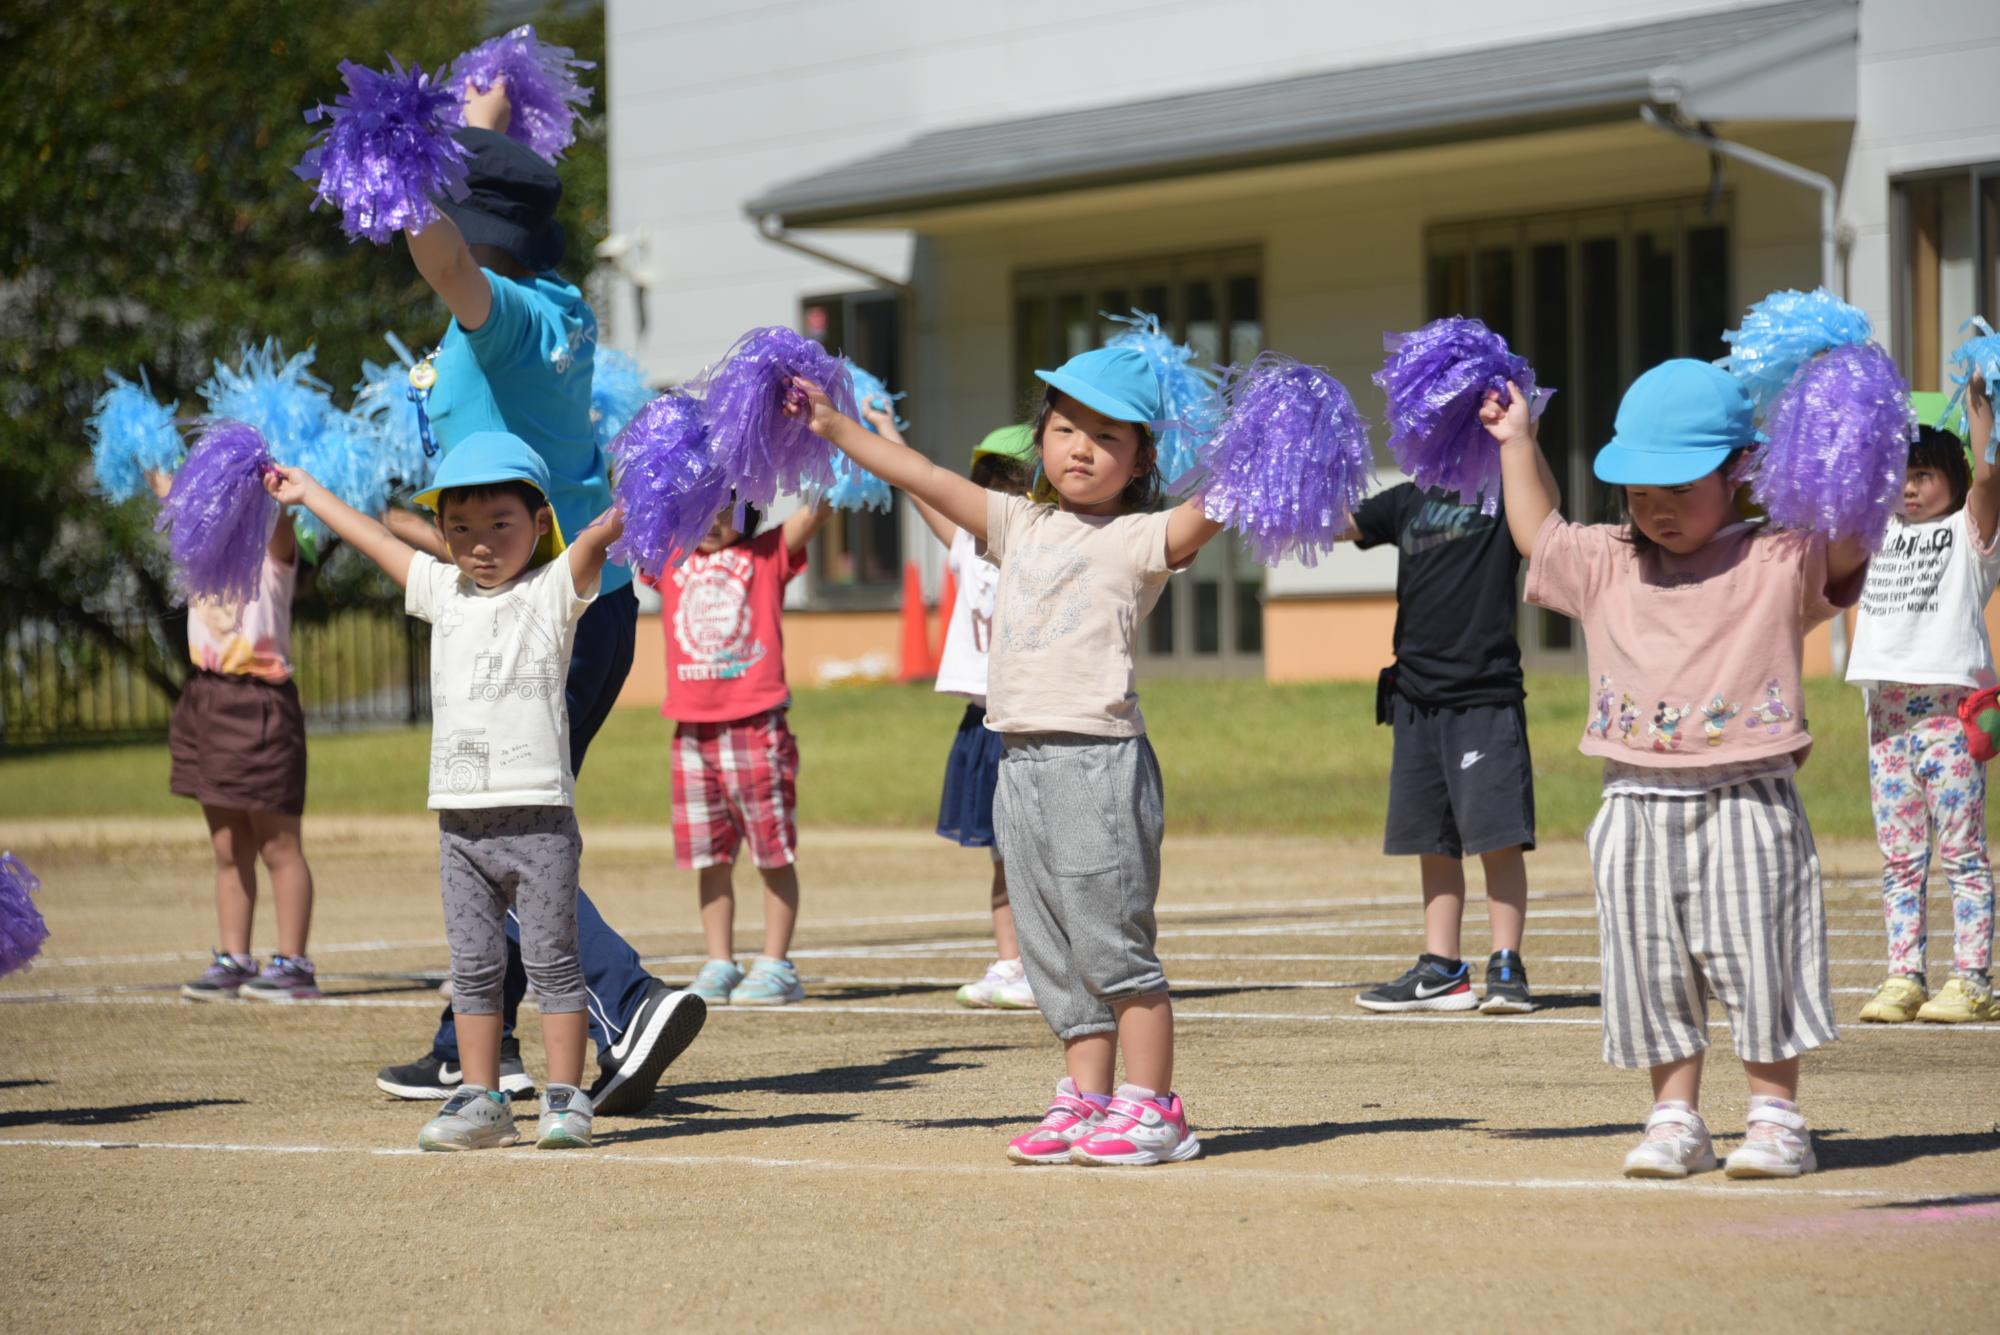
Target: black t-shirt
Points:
x,y
1455,596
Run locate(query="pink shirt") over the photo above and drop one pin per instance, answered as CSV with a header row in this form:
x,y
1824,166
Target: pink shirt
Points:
x,y
252,639
725,643
1694,660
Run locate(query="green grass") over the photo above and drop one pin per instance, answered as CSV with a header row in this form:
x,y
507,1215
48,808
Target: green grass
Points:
x,y
1239,757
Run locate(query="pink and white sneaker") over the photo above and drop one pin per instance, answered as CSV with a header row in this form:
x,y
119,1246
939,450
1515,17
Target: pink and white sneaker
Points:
x,y
1140,1127
1069,1119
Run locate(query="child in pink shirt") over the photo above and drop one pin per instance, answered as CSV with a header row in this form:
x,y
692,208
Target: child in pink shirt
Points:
x,y
1707,878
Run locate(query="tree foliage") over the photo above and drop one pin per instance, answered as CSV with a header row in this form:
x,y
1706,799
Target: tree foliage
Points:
x,y
149,217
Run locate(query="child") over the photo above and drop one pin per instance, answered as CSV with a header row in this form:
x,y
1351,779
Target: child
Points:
x,y
1004,461
1079,808
1707,878
503,615
1460,779
238,742
1920,649
735,762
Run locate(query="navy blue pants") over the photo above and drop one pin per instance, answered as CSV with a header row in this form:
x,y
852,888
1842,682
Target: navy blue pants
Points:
x,y
613,980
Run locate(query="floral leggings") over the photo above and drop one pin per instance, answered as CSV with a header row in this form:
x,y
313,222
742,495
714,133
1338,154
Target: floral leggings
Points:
x,y
1922,777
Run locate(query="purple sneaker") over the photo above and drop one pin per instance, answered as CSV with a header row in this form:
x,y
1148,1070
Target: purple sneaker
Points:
x,y
223,980
285,978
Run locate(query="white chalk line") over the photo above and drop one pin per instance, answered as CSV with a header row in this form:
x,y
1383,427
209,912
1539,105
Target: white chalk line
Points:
x,y
1190,1174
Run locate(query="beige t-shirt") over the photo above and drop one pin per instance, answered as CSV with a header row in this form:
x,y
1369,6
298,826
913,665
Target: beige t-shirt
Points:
x,y
1073,590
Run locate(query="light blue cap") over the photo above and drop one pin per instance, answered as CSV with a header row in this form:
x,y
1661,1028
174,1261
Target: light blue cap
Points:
x,y
1118,382
488,457
1676,424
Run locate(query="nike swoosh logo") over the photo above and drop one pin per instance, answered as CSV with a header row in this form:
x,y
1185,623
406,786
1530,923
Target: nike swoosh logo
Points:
x,y
1471,758
449,1074
1426,993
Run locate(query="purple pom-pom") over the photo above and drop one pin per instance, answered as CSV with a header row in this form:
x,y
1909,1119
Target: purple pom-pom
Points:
x,y
1436,380
388,151
541,86
1839,446
764,451
1783,332
1978,355
666,483
218,517
22,929
1290,461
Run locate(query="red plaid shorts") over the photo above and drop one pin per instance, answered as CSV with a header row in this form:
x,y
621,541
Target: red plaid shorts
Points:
x,y
734,781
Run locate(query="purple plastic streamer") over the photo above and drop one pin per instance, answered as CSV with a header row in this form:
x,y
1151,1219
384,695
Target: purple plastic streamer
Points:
x,y
1783,332
218,517
1839,446
387,151
1436,380
1979,354
541,86
22,928
764,451
1290,461
666,483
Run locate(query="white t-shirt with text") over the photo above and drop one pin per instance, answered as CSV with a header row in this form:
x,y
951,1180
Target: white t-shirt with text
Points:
x,y
1922,619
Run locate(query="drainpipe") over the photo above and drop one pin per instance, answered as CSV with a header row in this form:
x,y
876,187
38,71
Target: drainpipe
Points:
x,y
1829,250
771,227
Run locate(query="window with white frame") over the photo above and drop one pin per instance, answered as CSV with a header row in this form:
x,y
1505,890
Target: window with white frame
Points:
x,y
1945,226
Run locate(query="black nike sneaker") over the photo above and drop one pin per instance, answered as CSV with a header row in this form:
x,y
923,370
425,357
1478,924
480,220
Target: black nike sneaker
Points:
x,y
434,1077
1435,984
660,1030
1506,985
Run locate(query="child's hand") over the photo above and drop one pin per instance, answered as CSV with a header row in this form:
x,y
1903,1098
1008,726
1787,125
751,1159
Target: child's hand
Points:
x,y
489,109
809,401
612,521
289,485
878,416
1507,422
1979,411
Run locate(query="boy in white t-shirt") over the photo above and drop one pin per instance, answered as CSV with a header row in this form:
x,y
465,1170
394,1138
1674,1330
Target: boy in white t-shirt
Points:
x,y
1004,461
1920,650
503,619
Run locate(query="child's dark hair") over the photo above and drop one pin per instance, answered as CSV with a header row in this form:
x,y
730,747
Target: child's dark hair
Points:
x,y
996,472
1944,454
752,520
527,493
1141,494
1637,536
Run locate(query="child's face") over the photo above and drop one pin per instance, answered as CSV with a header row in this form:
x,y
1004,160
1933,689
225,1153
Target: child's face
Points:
x,y
1087,457
723,532
1683,518
1926,494
492,538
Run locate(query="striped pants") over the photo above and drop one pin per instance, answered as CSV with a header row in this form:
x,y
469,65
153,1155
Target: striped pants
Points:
x,y
1713,894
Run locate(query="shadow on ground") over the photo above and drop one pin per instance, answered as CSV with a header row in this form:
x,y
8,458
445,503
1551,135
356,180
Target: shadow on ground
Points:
x,y
114,1115
680,1127
1887,1151
1241,1139
899,1070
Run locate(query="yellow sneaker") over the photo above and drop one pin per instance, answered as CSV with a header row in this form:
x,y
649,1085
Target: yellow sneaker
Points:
x,y
1959,1002
1896,1002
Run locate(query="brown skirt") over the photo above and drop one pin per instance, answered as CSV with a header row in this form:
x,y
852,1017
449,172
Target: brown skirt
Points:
x,y
239,743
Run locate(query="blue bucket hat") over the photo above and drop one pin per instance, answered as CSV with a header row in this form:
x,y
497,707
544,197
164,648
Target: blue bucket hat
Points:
x,y
1118,382
485,458
1676,424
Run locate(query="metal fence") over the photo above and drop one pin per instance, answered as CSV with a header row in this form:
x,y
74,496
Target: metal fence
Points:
x,y
355,667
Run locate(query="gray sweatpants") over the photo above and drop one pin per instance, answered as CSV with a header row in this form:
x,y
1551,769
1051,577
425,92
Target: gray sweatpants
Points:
x,y
1078,821
1718,895
527,859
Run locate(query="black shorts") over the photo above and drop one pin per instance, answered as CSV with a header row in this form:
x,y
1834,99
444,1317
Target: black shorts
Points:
x,y
1461,781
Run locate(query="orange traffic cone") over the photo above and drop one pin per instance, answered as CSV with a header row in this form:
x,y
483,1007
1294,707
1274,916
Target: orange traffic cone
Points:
x,y
917,663
947,600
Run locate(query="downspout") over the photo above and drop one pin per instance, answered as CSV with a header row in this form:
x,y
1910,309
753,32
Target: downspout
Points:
x,y
771,226
1829,251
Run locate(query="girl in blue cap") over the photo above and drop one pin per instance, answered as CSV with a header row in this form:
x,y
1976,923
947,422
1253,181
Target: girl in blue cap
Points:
x,y
1707,879
1078,811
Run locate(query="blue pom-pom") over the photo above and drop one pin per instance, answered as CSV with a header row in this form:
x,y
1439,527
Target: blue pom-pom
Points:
x,y
218,516
618,390
869,389
854,487
389,149
383,403
22,928
132,434
1980,355
1783,332
1188,392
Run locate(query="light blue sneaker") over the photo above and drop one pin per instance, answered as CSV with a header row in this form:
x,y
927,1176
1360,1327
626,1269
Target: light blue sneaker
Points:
x,y
769,983
715,981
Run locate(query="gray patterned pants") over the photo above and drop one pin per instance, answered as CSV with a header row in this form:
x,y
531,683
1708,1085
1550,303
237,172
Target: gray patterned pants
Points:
x,y
493,859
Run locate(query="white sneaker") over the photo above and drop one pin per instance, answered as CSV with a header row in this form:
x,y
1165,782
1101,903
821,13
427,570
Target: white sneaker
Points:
x,y
471,1119
1005,987
1776,1143
1676,1144
565,1120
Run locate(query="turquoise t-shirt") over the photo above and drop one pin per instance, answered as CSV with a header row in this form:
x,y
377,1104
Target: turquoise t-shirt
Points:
x,y
527,370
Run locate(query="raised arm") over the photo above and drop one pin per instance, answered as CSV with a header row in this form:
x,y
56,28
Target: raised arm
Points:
x,y
1526,480
295,486
284,545
419,532
587,553
802,523
956,498
440,252
1188,531
1843,558
1982,503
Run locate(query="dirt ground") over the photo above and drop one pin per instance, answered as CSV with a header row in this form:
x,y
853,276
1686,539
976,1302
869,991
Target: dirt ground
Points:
x,y
837,1164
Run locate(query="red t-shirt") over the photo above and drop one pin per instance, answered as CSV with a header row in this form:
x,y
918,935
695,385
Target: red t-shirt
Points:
x,y
722,613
